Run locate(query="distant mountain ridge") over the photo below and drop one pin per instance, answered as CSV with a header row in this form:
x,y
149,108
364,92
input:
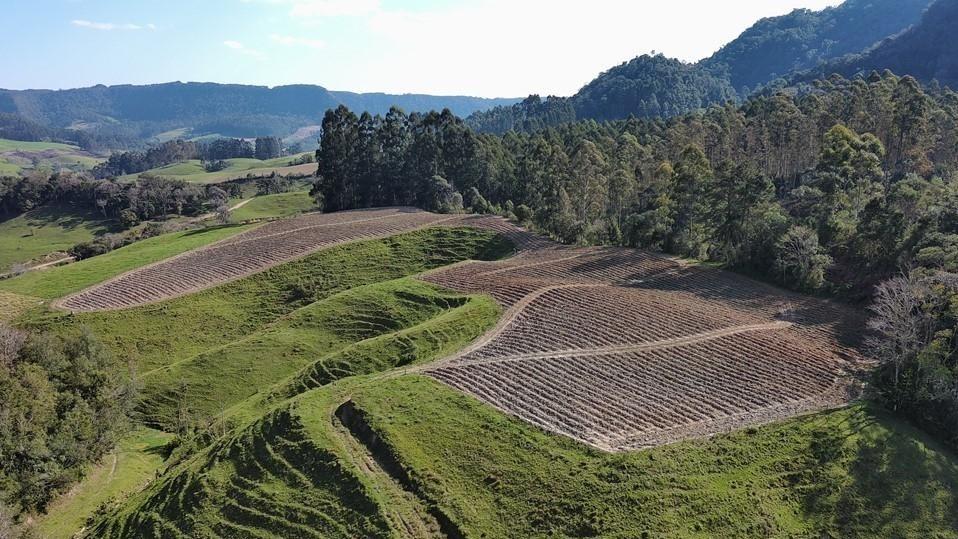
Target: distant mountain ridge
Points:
x,y
774,47
228,109
771,50
927,51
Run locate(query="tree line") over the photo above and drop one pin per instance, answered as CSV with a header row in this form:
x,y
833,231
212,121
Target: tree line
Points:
x,y
830,190
128,203
176,151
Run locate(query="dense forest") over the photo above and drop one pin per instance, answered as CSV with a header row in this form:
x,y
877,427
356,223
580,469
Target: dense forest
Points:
x,y
777,46
772,50
832,190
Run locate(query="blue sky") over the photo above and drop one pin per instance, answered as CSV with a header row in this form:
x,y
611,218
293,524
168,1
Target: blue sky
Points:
x,y
490,48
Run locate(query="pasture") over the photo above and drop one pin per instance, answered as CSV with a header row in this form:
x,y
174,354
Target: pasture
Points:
x,y
17,156
45,230
193,171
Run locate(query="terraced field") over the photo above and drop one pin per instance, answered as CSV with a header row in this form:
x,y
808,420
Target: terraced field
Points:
x,y
336,393
617,348
245,254
625,350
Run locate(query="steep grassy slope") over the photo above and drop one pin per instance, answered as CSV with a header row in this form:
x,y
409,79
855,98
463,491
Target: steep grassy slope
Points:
x,y
290,473
157,335
60,281
45,230
322,337
848,473
136,460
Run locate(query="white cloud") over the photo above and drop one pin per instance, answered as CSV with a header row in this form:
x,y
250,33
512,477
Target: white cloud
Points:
x,y
292,41
111,26
243,49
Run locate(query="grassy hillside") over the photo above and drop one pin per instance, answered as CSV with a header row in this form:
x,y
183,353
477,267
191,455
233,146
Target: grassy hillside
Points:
x,y
320,337
279,205
848,473
854,472
13,305
263,366
46,230
157,335
57,282
17,156
136,460
193,171
285,472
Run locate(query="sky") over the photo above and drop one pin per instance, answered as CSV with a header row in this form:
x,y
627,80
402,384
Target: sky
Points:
x,y
487,48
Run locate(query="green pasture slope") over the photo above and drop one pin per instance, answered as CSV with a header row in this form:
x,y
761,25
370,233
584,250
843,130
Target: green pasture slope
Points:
x,y
278,205
60,281
45,230
193,171
137,457
17,156
262,367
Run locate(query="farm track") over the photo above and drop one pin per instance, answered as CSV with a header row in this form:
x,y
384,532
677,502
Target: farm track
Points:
x,y
405,511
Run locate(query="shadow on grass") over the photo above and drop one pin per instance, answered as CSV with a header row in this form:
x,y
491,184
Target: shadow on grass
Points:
x,y
68,218
875,475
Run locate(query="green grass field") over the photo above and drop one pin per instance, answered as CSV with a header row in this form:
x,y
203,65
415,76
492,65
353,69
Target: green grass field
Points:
x,y
278,205
855,472
134,463
60,281
46,230
7,145
193,171
17,156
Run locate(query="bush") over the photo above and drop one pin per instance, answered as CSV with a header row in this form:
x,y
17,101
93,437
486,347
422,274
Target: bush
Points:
x,y
129,219
65,402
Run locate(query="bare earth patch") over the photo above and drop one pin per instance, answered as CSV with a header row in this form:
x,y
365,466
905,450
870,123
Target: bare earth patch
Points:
x,y
624,350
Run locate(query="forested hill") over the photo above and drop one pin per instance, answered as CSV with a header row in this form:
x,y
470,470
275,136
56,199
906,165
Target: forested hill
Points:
x,y
927,51
652,86
803,39
227,109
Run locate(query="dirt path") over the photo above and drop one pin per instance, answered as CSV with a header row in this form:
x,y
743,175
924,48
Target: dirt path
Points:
x,y
53,263
505,321
405,511
620,349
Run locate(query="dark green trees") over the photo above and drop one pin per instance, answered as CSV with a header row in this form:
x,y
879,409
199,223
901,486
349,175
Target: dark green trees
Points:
x,y
267,148
63,403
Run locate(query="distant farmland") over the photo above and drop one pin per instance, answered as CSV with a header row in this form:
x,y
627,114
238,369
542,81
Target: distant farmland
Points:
x,y
17,156
193,171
